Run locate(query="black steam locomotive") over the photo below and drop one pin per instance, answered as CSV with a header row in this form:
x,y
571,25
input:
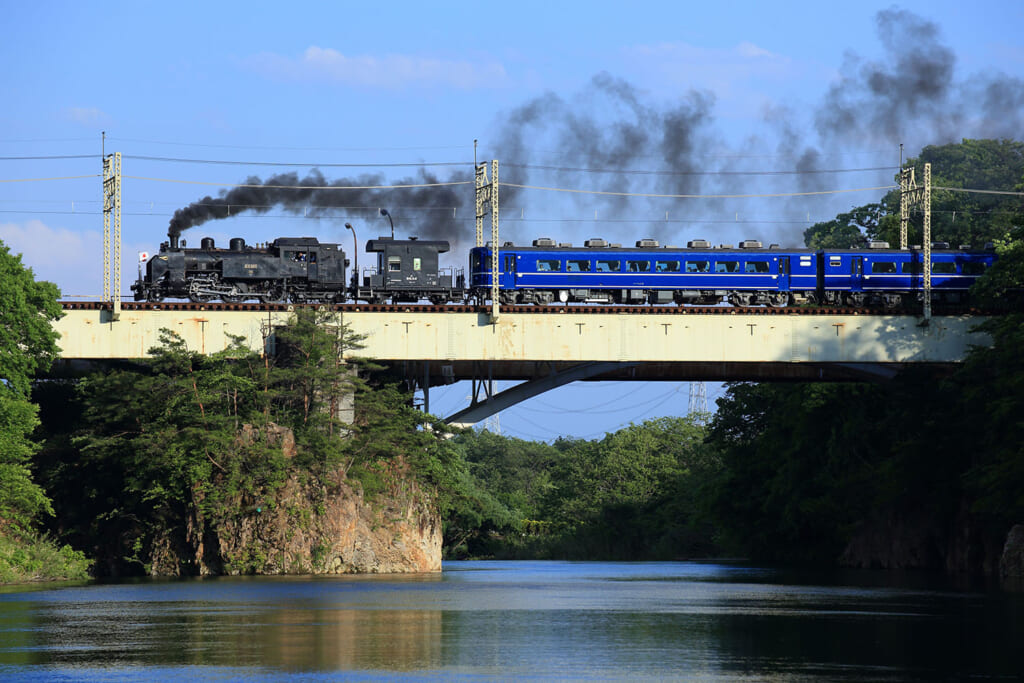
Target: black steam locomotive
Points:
x,y
298,269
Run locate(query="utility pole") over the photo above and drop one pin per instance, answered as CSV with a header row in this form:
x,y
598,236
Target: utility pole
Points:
x,y
112,211
910,195
487,195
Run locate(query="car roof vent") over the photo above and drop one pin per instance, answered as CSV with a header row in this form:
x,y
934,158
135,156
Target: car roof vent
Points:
x,y
647,243
940,245
596,242
565,244
878,244
725,246
543,242
698,244
750,244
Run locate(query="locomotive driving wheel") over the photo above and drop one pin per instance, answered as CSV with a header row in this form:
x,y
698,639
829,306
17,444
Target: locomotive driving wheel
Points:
x,y
274,295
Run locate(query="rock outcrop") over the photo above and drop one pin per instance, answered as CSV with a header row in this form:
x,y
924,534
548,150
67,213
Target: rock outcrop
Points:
x,y
314,529
1011,564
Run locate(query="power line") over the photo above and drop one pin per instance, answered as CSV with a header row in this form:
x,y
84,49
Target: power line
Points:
x,y
696,173
964,189
653,195
58,156
297,164
302,149
304,187
36,180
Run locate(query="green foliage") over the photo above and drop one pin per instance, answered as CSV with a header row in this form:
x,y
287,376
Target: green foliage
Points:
x,y
27,345
1003,283
632,495
847,230
21,500
28,342
30,557
957,217
991,385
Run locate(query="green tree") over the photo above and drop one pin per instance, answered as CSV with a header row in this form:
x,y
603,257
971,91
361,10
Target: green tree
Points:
x,y
957,217
21,500
28,342
847,230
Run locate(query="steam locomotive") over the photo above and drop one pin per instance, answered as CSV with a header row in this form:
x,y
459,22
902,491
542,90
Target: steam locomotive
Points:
x,y
298,269
302,269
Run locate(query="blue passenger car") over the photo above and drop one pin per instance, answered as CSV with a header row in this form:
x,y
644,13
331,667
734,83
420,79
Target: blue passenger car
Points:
x,y
893,277
600,272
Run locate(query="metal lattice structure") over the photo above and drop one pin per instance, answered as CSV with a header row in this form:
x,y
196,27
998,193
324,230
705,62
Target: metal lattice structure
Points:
x,y
112,245
487,196
910,195
698,401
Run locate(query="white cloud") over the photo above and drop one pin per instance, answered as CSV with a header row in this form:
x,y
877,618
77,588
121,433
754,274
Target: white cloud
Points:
x,y
388,71
58,255
87,116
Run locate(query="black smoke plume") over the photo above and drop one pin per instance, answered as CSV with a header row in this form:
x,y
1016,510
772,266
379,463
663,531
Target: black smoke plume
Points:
x,y
313,195
911,95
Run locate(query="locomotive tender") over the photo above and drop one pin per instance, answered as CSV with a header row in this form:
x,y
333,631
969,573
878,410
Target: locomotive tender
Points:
x,y
302,269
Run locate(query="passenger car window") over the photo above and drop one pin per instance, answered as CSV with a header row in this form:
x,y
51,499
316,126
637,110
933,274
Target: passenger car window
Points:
x,y
577,266
883,267
698,266
973,268
548,265
756,267
912,268
944,267
604,266
727,266
667,266
638,266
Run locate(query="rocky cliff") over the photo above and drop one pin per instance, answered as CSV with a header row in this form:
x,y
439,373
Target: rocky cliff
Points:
x,y
313,529
916,539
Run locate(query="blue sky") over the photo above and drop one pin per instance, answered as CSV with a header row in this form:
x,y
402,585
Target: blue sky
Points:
x,y
693,92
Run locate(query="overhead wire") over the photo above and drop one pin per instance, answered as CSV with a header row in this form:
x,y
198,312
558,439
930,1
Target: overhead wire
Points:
x,y
694,173
227,162
302,187
654,195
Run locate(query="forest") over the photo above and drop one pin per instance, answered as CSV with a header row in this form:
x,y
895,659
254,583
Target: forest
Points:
x,y
925,471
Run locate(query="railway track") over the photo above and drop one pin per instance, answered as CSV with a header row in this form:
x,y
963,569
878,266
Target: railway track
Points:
x,y
553,309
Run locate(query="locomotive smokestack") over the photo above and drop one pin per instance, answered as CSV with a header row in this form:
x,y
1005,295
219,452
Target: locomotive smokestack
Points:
x,y
173,236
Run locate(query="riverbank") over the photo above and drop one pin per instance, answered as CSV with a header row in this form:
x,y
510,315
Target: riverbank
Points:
x,y
31,558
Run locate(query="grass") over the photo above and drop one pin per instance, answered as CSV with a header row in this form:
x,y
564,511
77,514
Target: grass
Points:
x,y
25,558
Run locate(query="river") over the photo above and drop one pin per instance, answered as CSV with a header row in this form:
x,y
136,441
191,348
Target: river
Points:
x,y
494,621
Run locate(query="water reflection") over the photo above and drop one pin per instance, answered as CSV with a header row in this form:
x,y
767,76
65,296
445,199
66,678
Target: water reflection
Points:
x,y
493,619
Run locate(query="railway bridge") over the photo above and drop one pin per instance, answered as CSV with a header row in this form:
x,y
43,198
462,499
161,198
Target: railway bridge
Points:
x,y
547,347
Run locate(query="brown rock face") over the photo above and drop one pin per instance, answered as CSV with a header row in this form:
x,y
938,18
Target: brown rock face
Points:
x,y
311,529
1011,565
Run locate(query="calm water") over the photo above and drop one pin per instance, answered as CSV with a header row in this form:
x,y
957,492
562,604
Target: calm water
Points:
x,y
514,620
